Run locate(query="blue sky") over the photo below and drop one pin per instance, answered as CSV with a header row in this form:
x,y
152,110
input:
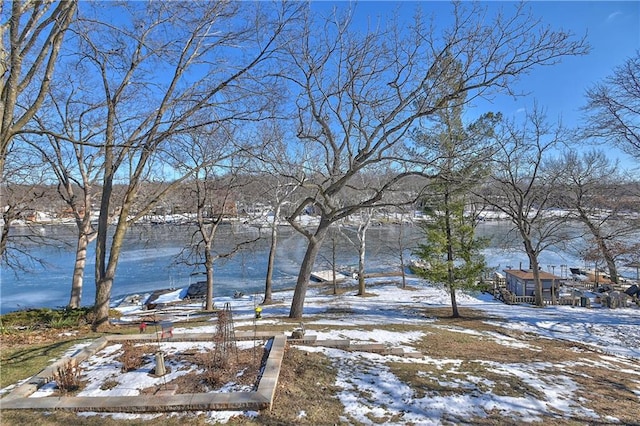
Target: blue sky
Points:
x,y
612,29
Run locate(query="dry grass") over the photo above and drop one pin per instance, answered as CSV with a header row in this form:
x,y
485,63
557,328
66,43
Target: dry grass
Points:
x,y
604,385
306,385
242,368
609,390
133,355
466,347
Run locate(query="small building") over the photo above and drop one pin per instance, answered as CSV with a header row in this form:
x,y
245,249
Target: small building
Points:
x,y
520,283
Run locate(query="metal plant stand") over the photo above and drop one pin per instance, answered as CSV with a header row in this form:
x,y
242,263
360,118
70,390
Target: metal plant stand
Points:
x,y
224,338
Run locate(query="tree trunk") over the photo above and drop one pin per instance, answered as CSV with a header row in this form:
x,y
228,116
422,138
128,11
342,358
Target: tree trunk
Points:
x,y
102,301
454,303
4,236
611,265
209,269
104,281
450,266
106,271
535,269
268,285
536,278
315,242
604,248
362,236
78,270
402,274
333,265
103,288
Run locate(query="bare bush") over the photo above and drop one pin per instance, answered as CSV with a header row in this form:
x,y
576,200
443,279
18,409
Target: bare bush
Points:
x,y
132,356
67,376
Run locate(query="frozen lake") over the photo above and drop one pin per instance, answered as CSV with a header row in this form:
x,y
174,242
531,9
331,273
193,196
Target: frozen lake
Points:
x,y
148,261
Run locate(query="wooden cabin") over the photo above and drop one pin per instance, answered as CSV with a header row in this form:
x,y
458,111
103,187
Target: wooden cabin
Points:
x,y
520,282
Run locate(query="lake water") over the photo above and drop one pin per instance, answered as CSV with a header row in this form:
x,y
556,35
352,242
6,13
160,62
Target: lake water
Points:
x,y
148,261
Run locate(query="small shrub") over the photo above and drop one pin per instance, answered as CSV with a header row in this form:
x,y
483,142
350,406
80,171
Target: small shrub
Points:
x,y
67,376
5,331
213,372
63,322
484,286
132,356
109,384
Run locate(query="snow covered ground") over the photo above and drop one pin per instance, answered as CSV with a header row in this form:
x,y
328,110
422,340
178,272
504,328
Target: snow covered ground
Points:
x,y
369,388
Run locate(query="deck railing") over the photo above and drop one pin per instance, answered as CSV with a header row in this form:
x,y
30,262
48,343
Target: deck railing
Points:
x,y
524,299
511,299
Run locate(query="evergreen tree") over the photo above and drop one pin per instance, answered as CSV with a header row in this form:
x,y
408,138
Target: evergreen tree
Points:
x,y
451,250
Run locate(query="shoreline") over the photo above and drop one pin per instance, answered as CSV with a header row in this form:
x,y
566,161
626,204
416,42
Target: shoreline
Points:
x,y
148,263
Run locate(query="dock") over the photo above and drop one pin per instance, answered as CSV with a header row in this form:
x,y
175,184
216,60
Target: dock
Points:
x,y
327,276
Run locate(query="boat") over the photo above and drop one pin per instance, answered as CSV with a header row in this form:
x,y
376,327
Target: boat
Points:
x,y
591,275
197,291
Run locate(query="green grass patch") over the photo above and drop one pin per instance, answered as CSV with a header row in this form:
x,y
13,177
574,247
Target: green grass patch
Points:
x,y
62,318
22,363
45,318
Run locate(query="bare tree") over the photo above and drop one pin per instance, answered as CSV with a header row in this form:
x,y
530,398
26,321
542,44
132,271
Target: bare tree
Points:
x,y
62,134
613,108
163,70
362,223
22,192
361,93
595,193
215,187
77,192
30,41
361,234
280,176
281,193
215,198
525,188
31,34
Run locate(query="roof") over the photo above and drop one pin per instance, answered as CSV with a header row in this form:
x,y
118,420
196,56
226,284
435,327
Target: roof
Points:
x,y
528,274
